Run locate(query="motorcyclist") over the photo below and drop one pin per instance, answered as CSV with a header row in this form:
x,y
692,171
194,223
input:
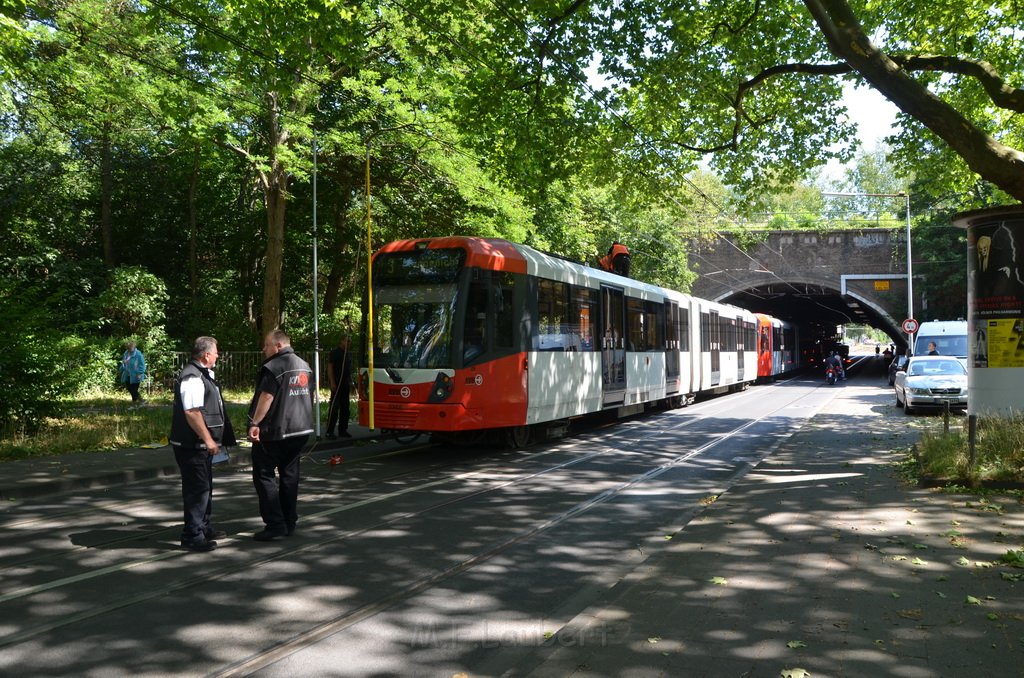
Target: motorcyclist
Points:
x,y
836,363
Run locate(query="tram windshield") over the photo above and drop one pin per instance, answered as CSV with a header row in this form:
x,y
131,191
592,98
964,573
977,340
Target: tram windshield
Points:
x,y
414,307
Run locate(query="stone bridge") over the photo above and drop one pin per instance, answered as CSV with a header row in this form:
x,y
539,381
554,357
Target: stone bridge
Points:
x,y
815,278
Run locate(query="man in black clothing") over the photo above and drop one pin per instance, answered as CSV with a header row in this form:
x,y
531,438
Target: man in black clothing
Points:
x,y
339,374
199,427
280,421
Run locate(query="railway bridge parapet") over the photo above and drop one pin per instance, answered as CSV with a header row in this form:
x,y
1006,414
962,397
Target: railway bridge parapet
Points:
x,y
812,276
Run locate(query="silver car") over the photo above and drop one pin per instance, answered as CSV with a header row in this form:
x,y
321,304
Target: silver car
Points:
x,y
931,381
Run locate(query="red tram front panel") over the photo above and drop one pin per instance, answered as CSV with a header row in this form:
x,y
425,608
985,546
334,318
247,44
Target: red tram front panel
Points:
x,y
489,395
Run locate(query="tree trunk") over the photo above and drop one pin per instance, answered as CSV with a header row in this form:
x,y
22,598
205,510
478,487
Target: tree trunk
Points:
x,y
273,260
990,159
106,197
275,187
339,251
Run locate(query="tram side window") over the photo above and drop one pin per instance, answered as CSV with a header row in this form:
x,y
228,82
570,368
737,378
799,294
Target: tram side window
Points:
x,y
504,316
748,340
474,334
635,320
654,317
552,316
672,327
582,313
684,329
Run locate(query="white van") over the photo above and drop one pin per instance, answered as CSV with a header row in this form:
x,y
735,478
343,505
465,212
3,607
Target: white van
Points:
x,y
950,337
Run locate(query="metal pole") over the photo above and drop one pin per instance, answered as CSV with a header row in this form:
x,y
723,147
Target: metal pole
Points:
x,y
316,312
910,270
369,296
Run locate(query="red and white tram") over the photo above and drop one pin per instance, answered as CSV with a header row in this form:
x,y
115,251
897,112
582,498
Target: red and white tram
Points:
x,y
474,334
777,347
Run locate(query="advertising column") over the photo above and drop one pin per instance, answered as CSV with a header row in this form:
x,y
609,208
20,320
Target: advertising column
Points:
x,y
995,304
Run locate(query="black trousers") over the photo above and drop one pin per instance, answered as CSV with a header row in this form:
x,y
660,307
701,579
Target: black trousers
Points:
x,y
278,495
196,491
337,415
134,390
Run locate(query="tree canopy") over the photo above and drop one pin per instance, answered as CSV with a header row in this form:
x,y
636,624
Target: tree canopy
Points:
x,y
170,142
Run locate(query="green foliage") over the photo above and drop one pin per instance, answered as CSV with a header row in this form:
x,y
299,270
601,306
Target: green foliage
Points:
x,y
134,303
31,381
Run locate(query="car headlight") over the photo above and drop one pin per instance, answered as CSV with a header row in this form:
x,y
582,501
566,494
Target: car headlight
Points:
x,y
921,391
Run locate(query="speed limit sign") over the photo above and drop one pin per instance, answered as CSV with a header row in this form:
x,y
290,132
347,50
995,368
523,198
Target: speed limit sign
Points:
x,y
910,325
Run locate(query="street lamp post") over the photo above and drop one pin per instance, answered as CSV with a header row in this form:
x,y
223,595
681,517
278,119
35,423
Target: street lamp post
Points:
x,y
316,312
910,273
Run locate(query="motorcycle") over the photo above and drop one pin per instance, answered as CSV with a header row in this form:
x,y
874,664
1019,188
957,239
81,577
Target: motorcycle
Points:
x,y
831,375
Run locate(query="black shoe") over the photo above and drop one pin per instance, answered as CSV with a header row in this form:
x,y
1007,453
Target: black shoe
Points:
x,y
200,546
216,534
345,434
289,531
331,435
270,535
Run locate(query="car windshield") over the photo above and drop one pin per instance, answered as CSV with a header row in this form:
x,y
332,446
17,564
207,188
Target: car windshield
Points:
x,y
935,367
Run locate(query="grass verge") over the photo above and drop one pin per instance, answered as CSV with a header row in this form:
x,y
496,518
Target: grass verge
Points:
x,y
108,422
999,453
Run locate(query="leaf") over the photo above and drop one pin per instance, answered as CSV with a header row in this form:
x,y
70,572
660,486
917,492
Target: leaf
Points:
x,y
794,673
971,600
920,547
894,594
962,561
918,561
899,557
721,581
992,616
653,640
1013,558
794,644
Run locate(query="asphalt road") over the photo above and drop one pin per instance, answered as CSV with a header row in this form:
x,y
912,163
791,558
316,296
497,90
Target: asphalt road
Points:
x,y
412,561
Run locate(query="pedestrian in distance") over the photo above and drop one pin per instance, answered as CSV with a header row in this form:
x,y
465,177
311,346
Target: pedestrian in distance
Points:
x,y
132,371
199,429
339,373
280,421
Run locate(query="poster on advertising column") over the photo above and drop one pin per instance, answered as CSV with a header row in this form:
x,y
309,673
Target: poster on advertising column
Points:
x,y
996,293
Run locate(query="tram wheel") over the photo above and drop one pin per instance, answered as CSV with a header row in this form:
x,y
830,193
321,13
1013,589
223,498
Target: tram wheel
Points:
x,y
405,437
517,437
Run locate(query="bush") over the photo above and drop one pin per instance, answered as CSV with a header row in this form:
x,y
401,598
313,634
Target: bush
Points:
x,y
32,385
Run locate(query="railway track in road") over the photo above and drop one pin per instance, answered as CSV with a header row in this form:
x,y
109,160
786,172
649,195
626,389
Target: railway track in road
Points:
x,y
382,497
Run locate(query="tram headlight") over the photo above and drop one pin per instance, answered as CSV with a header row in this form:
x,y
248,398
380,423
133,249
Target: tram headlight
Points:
x,y
441,389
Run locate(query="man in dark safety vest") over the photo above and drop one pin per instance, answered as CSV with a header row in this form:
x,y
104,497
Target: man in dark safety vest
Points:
x,y
280,422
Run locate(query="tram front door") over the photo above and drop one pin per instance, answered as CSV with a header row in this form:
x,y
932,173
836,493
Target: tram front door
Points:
x,y
613,345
